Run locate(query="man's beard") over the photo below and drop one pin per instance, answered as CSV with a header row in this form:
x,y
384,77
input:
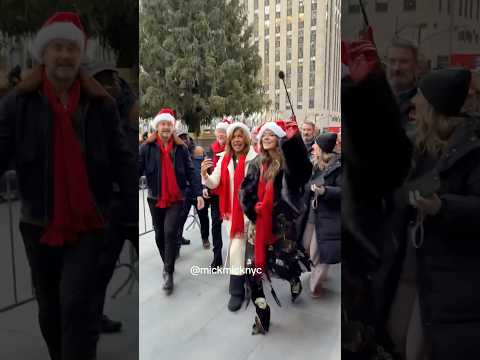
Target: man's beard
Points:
x,y
64,72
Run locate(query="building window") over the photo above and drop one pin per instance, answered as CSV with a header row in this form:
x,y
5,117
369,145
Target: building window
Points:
x,y
299,98
289,12
409,5
255,4
311,80
311,98
300,24
267,16
471,9
381,5
266,3
478,9
278,1
443,61
288,82
313,21
313,49
277,14
314,6
289,70
300,51
267,31
312,66
289,54
277,41
289,42
289,26
277,28
301,7
277,54
440,6
460,7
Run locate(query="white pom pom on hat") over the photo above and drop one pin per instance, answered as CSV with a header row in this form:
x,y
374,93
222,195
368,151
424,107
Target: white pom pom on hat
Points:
x,y
165,114
61,25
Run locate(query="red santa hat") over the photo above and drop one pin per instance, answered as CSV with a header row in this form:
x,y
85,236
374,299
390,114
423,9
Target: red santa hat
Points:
x,y
165,114
61,25
223,125
275,128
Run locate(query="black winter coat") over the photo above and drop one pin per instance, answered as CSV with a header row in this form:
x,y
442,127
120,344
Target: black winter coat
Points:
x,y
328,221
376,156
150,166
26,136
449,259
288,186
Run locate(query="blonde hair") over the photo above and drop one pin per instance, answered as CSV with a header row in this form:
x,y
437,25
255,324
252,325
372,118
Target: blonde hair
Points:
x,y
321,160
246,138
434,131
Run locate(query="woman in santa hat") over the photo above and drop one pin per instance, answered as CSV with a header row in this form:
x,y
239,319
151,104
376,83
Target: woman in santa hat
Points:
x,y
271,196
227,177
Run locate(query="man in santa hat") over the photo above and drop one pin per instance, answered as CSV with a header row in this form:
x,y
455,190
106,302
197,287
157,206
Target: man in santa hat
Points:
x,y
62,129
165,161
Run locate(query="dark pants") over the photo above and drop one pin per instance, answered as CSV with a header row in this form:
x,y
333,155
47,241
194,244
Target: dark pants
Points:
x,y
165,223
202,216
115,236
214,204
65,281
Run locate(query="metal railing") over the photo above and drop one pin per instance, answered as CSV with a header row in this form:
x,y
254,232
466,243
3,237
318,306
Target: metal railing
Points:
x,y
11,204
145,225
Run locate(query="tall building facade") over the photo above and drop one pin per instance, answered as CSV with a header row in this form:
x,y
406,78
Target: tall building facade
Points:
x,y
302,39
446,31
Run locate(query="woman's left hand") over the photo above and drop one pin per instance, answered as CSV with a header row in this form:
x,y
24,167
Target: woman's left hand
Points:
x,y
319,190
430,206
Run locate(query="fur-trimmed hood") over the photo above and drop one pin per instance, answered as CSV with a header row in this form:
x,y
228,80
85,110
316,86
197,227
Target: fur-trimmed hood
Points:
x,y
33,81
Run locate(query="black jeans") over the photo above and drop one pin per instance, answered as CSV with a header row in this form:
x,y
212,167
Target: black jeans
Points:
x,y
65,282
165,222
214,204
202,216
115,235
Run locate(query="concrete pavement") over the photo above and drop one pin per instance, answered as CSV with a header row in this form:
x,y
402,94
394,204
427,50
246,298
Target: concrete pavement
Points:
x,y
194,322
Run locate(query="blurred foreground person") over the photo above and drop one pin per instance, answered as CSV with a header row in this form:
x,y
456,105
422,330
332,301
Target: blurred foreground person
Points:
x,y
54,125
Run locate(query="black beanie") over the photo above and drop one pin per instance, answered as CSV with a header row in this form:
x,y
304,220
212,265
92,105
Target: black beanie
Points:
x,y
327,142
446,90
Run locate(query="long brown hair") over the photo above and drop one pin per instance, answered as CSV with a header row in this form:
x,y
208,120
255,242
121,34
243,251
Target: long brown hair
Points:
x,y
434,131
274,162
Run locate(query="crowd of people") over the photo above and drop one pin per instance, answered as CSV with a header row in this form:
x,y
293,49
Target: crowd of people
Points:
x,y
276,188
411,206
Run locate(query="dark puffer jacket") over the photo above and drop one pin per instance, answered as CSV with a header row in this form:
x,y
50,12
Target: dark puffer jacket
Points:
x,y
328,221
449,258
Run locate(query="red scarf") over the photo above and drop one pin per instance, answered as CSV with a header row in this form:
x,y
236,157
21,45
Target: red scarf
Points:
x,y
227,211
170,193
74,210
263,226
216,149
